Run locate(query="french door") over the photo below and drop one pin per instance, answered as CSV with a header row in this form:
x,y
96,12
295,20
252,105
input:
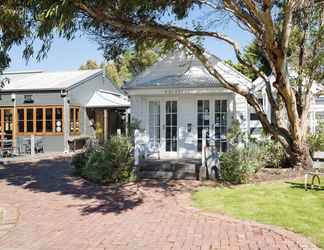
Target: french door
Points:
x,y
212,116
171,126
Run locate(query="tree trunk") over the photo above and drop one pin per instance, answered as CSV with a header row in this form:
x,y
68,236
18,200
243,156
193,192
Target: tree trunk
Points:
x,y
299,156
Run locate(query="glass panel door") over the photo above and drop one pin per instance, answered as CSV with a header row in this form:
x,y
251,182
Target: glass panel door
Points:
x,y
171,126
7,124
154,123
220,125
203,120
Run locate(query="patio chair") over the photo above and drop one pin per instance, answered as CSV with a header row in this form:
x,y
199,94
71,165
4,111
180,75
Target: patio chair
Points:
x,y
7,148
39,146
316,172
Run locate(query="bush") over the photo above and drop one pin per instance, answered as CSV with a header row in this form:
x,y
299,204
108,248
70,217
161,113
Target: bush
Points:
x,y
111,163
273,153
316,141
242,162
238,164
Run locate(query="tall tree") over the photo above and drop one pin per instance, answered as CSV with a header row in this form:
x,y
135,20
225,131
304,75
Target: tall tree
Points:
x,y
126,66
118,25
90,64
253,54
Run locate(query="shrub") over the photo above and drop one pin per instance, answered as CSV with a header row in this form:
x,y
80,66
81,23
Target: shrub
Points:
x,y
238,164
316,141
111,163
273,153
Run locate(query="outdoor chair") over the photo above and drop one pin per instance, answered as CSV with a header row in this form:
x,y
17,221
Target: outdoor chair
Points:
x,y
7,148
316,172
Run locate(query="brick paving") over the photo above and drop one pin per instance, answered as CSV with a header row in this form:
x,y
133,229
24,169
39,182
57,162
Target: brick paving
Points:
x,y
52,209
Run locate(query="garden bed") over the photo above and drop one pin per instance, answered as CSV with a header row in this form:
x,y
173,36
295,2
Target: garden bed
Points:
x,y
271,174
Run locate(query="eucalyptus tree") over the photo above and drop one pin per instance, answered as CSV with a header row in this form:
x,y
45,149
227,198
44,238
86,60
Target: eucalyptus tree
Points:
x,y
289,33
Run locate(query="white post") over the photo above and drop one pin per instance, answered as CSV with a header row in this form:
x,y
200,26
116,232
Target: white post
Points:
x,y
203,147
66,125
126,122
119,132
136,148
32,145
105,125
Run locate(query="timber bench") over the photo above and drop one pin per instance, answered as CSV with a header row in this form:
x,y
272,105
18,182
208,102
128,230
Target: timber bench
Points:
x,y
317,171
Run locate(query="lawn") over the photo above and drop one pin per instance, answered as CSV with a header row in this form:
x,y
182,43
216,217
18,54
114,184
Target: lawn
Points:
x,y
282,203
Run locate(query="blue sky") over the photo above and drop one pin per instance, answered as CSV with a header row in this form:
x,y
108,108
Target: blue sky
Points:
x,y
69,55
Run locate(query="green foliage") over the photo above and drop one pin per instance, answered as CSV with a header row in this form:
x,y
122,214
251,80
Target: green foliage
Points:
x,y
90,64
248,155
273,153
111,163
125,67
316,141
252,54
238,164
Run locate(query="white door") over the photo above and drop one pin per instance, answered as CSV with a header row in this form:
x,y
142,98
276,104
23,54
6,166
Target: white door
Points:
x,y
212,116
170,129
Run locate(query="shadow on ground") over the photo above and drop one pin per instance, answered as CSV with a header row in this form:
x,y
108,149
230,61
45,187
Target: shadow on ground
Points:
x,y
299,185
56,176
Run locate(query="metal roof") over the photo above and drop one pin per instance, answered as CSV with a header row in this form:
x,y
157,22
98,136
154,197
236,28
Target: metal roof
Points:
x,y
178,69
39,80
102,98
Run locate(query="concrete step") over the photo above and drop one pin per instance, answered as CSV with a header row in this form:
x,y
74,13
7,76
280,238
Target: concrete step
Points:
x,y
169,169
167,175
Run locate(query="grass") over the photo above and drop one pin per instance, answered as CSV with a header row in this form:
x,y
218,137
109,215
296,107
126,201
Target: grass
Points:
x,y
281,203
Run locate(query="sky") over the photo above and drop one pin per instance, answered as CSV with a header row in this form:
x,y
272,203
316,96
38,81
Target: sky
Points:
x,y
69,55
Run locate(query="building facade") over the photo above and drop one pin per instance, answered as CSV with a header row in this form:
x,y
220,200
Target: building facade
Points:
x,y
59,107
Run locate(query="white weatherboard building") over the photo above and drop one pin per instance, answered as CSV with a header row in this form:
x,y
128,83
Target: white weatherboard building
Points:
x,y
176,98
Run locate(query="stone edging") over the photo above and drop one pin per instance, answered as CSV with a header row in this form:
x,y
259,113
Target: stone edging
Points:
x,y
301,241
10,219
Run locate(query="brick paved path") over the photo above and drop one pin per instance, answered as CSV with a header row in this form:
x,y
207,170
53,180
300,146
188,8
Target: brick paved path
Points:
x,y
58,211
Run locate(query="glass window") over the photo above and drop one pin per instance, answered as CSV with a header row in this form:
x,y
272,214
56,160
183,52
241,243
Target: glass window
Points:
x,y
30,120
58,119
220,125
154,122
71,120
203,118
49,119
21,120
39,120
77,123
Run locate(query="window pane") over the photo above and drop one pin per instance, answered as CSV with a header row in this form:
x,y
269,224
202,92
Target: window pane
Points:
x,y
30,120
77,125
21,118
39,120
71,120
49,117
58,119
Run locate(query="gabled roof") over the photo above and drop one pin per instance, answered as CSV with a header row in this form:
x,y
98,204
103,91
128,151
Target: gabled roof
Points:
x,y
178,70
102,98
40,80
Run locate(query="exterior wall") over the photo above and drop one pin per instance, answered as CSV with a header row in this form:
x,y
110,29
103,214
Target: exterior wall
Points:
x,y
51,143
40,98
81,94
187,114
